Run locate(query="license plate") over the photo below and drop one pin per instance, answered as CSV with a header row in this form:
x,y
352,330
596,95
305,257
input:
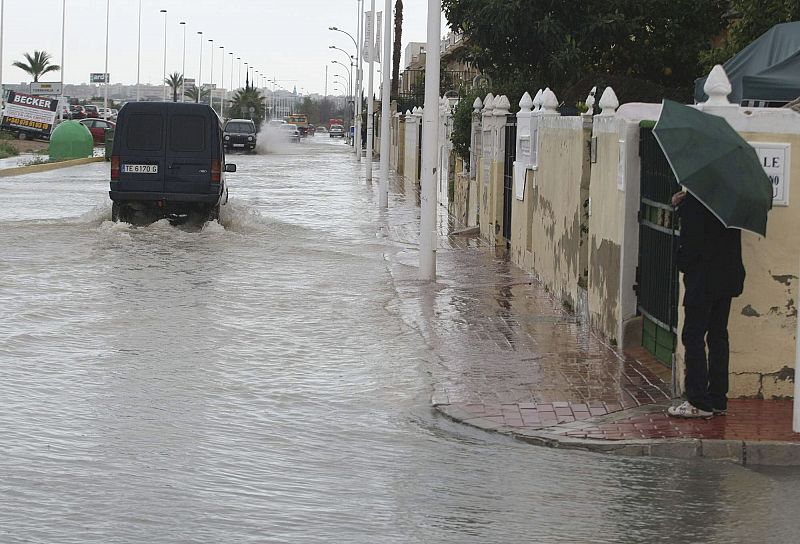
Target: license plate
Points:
x,y
140,168
238,145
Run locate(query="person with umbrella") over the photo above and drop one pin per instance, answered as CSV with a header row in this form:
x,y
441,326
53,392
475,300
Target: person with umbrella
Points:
x,y
710,257
725,190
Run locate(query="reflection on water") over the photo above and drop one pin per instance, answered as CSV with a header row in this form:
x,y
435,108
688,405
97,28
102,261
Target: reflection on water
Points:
x,y
252,381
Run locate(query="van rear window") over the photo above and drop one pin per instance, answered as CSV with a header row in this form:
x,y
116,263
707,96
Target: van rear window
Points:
x,y
187,133
145,132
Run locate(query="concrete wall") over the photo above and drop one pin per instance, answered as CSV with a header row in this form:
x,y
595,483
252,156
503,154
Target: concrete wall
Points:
x,y
556,213
459,207
613,237
411,150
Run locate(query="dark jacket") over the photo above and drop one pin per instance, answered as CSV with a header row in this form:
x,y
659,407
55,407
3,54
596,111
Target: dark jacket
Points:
x,y
710,255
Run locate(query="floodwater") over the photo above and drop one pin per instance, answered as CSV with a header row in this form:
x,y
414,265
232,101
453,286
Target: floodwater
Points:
x,y
255,381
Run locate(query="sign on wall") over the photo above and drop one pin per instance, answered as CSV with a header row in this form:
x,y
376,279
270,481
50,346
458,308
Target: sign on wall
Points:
x,y
774,159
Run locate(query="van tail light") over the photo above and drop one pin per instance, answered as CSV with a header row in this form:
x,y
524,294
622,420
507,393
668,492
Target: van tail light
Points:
x,y
115,168
216,171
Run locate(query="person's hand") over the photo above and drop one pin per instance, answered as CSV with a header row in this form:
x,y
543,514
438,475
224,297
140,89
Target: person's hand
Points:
x,y
678,197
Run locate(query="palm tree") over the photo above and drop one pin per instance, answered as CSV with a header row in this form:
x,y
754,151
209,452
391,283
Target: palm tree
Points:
x,y
247,98
197,94
398,44
38,64
175,82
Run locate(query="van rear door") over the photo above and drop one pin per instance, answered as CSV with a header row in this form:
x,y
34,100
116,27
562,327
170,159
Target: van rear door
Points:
x,y
142,163
189,153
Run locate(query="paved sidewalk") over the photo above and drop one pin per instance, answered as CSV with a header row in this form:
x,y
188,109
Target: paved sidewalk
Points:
x,y
513,361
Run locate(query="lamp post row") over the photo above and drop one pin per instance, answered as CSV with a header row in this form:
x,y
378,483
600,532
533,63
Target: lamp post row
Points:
x,y
430,121
138,55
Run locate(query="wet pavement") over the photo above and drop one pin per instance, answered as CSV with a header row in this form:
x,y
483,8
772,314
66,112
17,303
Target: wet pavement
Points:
x,y
269,378
517,362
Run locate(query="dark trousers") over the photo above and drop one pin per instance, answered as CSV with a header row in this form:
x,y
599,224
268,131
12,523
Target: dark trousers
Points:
x,y
707,378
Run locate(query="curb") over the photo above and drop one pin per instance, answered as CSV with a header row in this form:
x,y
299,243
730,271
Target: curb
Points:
x,y
33,168
764,453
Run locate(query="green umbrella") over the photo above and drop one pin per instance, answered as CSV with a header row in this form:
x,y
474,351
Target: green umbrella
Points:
x,y
716,165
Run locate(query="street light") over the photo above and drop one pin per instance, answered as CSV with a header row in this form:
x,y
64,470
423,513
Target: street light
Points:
x,y
164,80
183,68
211,83
63,25
139,57
344,32
199,84
222,83
247,72
105,73
239,85
349,56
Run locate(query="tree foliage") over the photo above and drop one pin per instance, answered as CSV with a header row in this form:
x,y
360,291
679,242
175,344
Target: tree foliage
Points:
x,y
37,64
559,42
197,93
175,82
247,98
397,46
749,19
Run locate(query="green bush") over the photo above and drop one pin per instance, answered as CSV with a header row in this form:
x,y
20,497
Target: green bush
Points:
x,y
7,150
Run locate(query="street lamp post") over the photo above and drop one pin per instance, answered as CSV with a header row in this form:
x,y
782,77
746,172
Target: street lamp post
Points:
x,y
430,146
239,84
199,84
232,58
357,77
222,83
164,80
139,56
63,26
370,36
247,72
211,83
105,73
183,67
385,98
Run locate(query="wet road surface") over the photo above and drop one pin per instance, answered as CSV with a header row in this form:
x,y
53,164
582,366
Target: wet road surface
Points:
x,y
267,379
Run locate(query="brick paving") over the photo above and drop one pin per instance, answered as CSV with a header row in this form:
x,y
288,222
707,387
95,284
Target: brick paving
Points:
x,y
513,359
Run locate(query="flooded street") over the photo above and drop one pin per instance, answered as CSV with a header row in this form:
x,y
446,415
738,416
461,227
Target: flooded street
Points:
x,y
257,380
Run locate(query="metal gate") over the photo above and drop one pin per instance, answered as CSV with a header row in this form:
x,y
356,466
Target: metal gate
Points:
x,y
508,173
657,275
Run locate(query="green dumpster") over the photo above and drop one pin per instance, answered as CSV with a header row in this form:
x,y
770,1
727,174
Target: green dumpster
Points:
x,y
109,142
71,140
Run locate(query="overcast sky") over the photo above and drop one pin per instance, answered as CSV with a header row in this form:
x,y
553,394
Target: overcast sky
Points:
x,y
286,40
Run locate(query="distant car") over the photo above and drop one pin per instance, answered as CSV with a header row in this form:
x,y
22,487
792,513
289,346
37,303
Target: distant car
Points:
x,y
107,113
91,111
77,112
240,134
290,131
276,123
336,131
321,130
98,128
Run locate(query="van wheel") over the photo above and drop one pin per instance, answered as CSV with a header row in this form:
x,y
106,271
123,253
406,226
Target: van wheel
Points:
x,y
213,213
120,212
23,136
